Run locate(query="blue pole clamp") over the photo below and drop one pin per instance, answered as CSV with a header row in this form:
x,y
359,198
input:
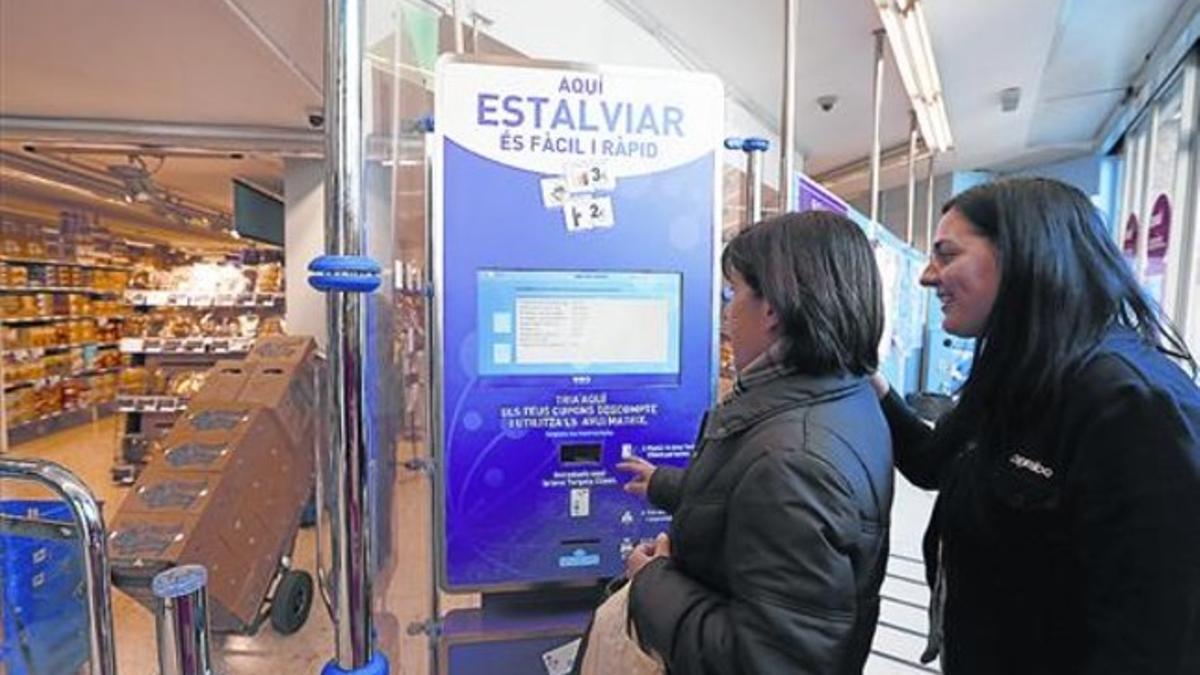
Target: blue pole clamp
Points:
x,y
378,665
747,144
425,123
345,273
755,145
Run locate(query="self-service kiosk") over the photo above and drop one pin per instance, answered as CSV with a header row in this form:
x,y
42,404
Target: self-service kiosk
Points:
x,y
576,221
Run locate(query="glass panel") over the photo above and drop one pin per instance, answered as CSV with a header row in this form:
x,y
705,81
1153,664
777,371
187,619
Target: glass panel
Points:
x,y
1161,203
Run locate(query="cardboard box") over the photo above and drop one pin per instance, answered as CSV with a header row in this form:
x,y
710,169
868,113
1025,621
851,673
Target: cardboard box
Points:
x,y
162,490
156,426
288,390
144,538
216,436
224,382
227,488
294,349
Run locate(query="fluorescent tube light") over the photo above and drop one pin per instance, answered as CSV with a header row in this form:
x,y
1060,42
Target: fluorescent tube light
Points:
x,y
908,35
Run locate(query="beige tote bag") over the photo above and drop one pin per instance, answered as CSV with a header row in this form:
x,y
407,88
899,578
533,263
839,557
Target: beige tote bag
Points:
x,y
611,646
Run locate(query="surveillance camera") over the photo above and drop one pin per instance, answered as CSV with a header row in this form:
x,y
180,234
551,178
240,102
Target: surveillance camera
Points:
x,y
827,102
316,117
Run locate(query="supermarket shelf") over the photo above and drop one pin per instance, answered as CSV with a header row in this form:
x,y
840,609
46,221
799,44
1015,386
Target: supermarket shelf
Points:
x,y
57,421
65,263
55,379
200,345
151,404
58,289
142,298
36,352
55,319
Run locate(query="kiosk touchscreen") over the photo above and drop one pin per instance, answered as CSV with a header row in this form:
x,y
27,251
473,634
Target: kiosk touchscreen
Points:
x,y
576,227
579,328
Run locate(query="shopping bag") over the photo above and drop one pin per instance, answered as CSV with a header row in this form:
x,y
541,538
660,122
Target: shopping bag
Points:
x,y
610,646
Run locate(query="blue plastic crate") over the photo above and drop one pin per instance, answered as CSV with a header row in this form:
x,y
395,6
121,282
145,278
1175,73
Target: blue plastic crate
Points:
x,y
42,596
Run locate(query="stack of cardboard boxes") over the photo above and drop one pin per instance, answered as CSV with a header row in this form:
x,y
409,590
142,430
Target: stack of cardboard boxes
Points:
x,y
229,486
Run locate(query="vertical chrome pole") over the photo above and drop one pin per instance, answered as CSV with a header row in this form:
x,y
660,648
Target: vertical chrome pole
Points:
x,y
182,621
345,237
754,148
877,106
910,228
930,209
754,205
752,189
456,14
787,122
86,514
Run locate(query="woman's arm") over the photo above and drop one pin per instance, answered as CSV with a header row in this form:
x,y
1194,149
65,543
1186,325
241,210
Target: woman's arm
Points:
x,y
1137,477
920,451
793,599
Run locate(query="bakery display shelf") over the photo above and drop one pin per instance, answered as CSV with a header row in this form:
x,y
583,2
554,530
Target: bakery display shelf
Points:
x,y
60,289
14,321
66,263
50,380
148,403
58,421
191,345
36,352
146,298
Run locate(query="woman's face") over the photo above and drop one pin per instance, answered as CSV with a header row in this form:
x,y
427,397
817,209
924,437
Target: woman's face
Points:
x,y
964,269
750,322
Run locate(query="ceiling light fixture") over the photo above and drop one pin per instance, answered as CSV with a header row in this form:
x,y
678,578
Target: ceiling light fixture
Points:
x,y
904,23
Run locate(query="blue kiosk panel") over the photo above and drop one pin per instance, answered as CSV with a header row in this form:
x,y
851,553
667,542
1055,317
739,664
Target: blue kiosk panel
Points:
x,y
576,220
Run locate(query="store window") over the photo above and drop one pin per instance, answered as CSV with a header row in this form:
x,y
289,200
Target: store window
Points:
x,y
1157,228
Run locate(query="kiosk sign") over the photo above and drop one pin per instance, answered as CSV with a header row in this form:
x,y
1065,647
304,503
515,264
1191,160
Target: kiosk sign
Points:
x,y
576,222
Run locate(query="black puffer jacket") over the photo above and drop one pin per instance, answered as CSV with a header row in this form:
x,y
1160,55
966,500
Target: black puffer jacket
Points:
x,y
779,538
1075,549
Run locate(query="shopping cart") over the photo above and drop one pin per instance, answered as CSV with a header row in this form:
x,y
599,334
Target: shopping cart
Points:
x,y
43,612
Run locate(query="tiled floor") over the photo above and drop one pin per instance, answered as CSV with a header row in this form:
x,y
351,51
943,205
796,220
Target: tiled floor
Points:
x,y
403,585
402,588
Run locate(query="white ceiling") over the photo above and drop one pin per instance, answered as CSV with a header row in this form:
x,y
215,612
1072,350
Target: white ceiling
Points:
x,y
1072,60
259,62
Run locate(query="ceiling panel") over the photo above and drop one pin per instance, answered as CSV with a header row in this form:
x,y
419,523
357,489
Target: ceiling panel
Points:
x,y
191,61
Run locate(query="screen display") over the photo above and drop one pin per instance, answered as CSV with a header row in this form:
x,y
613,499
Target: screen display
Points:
x,y
257,215
573,323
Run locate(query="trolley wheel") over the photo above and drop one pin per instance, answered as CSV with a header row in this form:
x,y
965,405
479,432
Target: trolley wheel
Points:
x,y
293,600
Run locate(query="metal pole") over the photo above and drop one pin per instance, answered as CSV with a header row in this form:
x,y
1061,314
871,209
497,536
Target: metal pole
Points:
x,y
929,208
138,134
752,190
456,16
787,122
876,149
754,203
182,621
910,228
346,236
86,513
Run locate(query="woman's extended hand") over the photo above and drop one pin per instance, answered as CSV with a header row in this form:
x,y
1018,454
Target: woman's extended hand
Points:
x,y
642,471
880,384
645,552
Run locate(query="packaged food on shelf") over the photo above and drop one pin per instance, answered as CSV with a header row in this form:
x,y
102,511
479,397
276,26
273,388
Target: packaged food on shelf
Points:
x,y
187,383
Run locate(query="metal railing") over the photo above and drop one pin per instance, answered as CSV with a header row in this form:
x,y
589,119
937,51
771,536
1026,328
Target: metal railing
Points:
x,y
86,516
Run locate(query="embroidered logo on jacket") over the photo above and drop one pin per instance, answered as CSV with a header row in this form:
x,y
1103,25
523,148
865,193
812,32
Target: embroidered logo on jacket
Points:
x,y
1023,462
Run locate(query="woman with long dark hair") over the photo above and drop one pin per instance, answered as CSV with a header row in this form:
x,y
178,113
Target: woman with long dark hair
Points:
x,y
1066,533
779,538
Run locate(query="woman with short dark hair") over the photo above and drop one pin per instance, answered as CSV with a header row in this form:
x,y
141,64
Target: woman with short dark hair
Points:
x,y
1066,533
780,532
